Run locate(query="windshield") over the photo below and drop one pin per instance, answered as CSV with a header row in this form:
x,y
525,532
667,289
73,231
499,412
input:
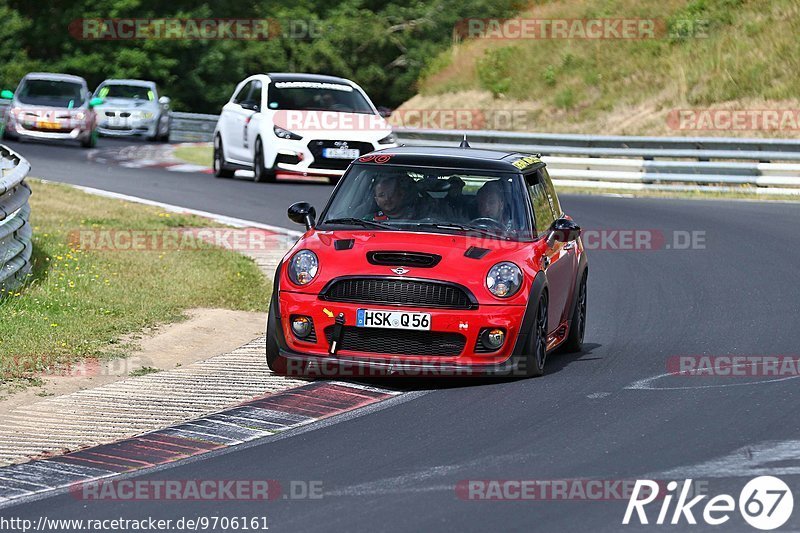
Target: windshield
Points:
x,y
315,96
133,92
52,93
396,197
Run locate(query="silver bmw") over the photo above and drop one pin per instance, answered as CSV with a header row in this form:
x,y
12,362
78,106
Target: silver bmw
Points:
x,y
132,107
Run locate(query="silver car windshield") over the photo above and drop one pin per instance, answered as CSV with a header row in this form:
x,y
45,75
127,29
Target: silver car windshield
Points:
x,y
431,200
52,93
131,92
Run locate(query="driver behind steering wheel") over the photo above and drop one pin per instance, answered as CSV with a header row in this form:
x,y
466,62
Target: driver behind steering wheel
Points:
x,y
492,204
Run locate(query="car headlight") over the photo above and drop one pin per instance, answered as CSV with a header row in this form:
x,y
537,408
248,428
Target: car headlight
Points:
x,y
80,115
389,139
504,279
147,115
303,267
286,134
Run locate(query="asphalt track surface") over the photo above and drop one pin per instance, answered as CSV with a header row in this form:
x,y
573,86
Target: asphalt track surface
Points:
x,y
394,468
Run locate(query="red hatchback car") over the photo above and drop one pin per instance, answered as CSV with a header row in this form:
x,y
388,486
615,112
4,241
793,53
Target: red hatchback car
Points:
x,y
431,262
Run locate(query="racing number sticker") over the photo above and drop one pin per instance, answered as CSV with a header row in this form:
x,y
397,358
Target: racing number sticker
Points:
x,y
383,158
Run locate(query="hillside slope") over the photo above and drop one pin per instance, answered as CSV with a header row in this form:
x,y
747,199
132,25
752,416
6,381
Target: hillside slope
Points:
x,y
739,55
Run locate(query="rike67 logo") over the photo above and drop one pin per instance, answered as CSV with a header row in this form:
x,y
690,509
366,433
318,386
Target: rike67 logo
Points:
x,y
765,503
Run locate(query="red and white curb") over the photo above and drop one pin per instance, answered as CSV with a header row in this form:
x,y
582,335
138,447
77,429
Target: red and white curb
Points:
x,y
259,418
148,156
163,157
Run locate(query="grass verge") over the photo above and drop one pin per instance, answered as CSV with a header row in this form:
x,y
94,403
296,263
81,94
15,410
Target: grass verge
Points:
x,y
731,54
80,303
196,155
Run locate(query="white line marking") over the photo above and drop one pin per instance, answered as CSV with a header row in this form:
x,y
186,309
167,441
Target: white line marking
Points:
x,y
749,461
646,384
363,387
223,219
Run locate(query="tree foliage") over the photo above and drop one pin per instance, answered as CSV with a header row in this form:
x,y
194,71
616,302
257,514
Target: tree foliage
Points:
x,y
381,45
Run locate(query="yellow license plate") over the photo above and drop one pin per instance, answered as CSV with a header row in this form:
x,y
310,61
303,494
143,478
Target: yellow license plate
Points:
x,y
48,125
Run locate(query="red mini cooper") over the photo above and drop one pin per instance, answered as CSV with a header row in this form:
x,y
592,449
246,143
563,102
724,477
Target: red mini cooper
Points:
x,y
431,261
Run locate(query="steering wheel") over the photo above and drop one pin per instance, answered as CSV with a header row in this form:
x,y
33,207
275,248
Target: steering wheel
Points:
x,y
488,223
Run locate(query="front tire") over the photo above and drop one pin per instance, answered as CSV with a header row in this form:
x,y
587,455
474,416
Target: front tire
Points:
x,y
260,173
90,141
577,328
220,170
275,362
532,362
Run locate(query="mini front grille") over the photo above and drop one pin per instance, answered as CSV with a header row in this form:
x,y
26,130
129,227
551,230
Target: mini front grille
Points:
x,y
399,341
393,291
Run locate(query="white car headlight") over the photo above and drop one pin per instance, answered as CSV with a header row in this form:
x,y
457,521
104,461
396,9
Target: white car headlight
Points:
x,y
504,279
285,134
303,267
80,115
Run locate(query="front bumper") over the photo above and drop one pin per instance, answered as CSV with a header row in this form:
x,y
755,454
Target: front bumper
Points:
x,y
135,127
305,156
467,323
64,134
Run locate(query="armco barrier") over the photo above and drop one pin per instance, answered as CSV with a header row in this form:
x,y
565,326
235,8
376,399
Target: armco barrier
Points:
x,y
15,230
762,166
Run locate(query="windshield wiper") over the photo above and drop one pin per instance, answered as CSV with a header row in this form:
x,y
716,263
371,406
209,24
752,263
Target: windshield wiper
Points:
x,y
462,227
359,222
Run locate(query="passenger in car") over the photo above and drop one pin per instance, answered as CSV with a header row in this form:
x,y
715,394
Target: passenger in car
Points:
x,y
492,204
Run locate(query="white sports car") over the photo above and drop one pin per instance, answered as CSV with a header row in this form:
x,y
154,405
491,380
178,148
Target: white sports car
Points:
x,y
297,124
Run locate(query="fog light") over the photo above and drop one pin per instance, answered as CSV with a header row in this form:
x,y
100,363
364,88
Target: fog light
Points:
x,y
493,339
301,326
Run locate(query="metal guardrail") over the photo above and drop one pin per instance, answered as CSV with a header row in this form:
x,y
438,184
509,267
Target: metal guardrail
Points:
x,y
615,162
770,165
192,127
15,230
698,148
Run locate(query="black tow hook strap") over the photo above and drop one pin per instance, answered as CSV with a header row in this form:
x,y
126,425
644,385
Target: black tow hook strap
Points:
x,y
338,331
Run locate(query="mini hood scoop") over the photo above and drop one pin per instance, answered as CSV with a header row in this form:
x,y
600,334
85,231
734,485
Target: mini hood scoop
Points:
x,y
415,259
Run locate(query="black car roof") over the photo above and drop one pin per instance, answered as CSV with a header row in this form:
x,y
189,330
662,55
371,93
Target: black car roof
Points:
x,y
455,157
287,76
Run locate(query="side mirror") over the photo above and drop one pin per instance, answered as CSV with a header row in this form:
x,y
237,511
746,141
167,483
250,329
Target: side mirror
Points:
x,y
252,106
563,230
164,101
94,102
303,213
385,112
6,94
